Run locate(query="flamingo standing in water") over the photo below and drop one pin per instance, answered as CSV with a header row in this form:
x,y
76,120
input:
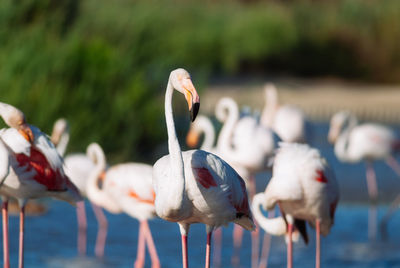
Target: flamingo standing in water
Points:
x,y
196,186
204,125
369,142
31,168
287,121
125,188
248,147
304,188
78,167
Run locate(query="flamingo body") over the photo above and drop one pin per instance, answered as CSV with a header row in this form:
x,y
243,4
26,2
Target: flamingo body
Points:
x,y
130,185
214,192
304,185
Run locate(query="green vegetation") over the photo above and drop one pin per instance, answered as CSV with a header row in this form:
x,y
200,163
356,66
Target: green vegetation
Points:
x,y
104,64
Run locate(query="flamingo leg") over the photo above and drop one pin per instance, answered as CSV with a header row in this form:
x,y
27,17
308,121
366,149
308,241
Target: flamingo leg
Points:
x,y
318,244
217,247
391,161
237,242
255,245
371,183
290,247
155,261
184,251
373,195
140,256
393,207
266,245
208,249
82,228
102,233
6,249
21,236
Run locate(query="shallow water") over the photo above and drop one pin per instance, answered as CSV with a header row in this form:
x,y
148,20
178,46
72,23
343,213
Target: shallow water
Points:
x,y
51,238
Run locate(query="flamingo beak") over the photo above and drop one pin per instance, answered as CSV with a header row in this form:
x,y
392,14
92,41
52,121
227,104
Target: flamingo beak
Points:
x,y
26,132
192,138
192,98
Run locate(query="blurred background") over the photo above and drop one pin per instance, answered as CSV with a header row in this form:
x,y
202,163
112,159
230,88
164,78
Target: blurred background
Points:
x,y
104,66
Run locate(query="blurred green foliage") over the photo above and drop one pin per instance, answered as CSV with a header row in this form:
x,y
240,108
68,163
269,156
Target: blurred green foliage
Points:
x,y
104,64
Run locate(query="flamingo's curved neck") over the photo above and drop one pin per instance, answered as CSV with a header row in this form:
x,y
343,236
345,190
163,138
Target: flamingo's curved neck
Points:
x,y
342,143
62,144
209,134
93,190
177,178
274,226
227,112
270,108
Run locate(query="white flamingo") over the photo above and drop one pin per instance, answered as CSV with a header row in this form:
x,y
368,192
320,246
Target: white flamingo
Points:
x,y
31,168
78,167
248,147
125,188
196,186
287,121
369,142
304,188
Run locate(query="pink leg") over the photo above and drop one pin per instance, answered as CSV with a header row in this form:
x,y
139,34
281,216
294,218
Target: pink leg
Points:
x,y
318,244
266,245
371,183
184,252
140,257
82,228
155,261
6,249
102,233
208,249
391,161
255,245
21,236
373,195
372,222
237,242
290,247
217,247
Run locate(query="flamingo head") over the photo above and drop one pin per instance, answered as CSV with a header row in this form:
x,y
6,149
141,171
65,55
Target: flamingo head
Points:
x,y
182,82
338,123
60,127
14,118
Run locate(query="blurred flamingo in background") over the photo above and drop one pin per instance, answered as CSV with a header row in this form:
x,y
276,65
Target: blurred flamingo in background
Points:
x,y
369,142
31,168
130,185
124,188
305,189
196,186
248,147
287,121
78,167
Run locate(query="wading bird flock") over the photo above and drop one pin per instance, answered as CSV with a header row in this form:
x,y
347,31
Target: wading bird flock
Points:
x,y
214,185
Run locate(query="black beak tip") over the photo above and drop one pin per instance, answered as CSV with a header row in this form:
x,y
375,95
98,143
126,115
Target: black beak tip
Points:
x,y
194,111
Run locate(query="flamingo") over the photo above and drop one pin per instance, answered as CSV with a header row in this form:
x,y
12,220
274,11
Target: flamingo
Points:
x,y
130,185
196,186
287,121
78,167
204,125
31,168
369,142
125,188
305,189
248,147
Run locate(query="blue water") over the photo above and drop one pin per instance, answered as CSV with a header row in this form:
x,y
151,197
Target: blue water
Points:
x,y
51,238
